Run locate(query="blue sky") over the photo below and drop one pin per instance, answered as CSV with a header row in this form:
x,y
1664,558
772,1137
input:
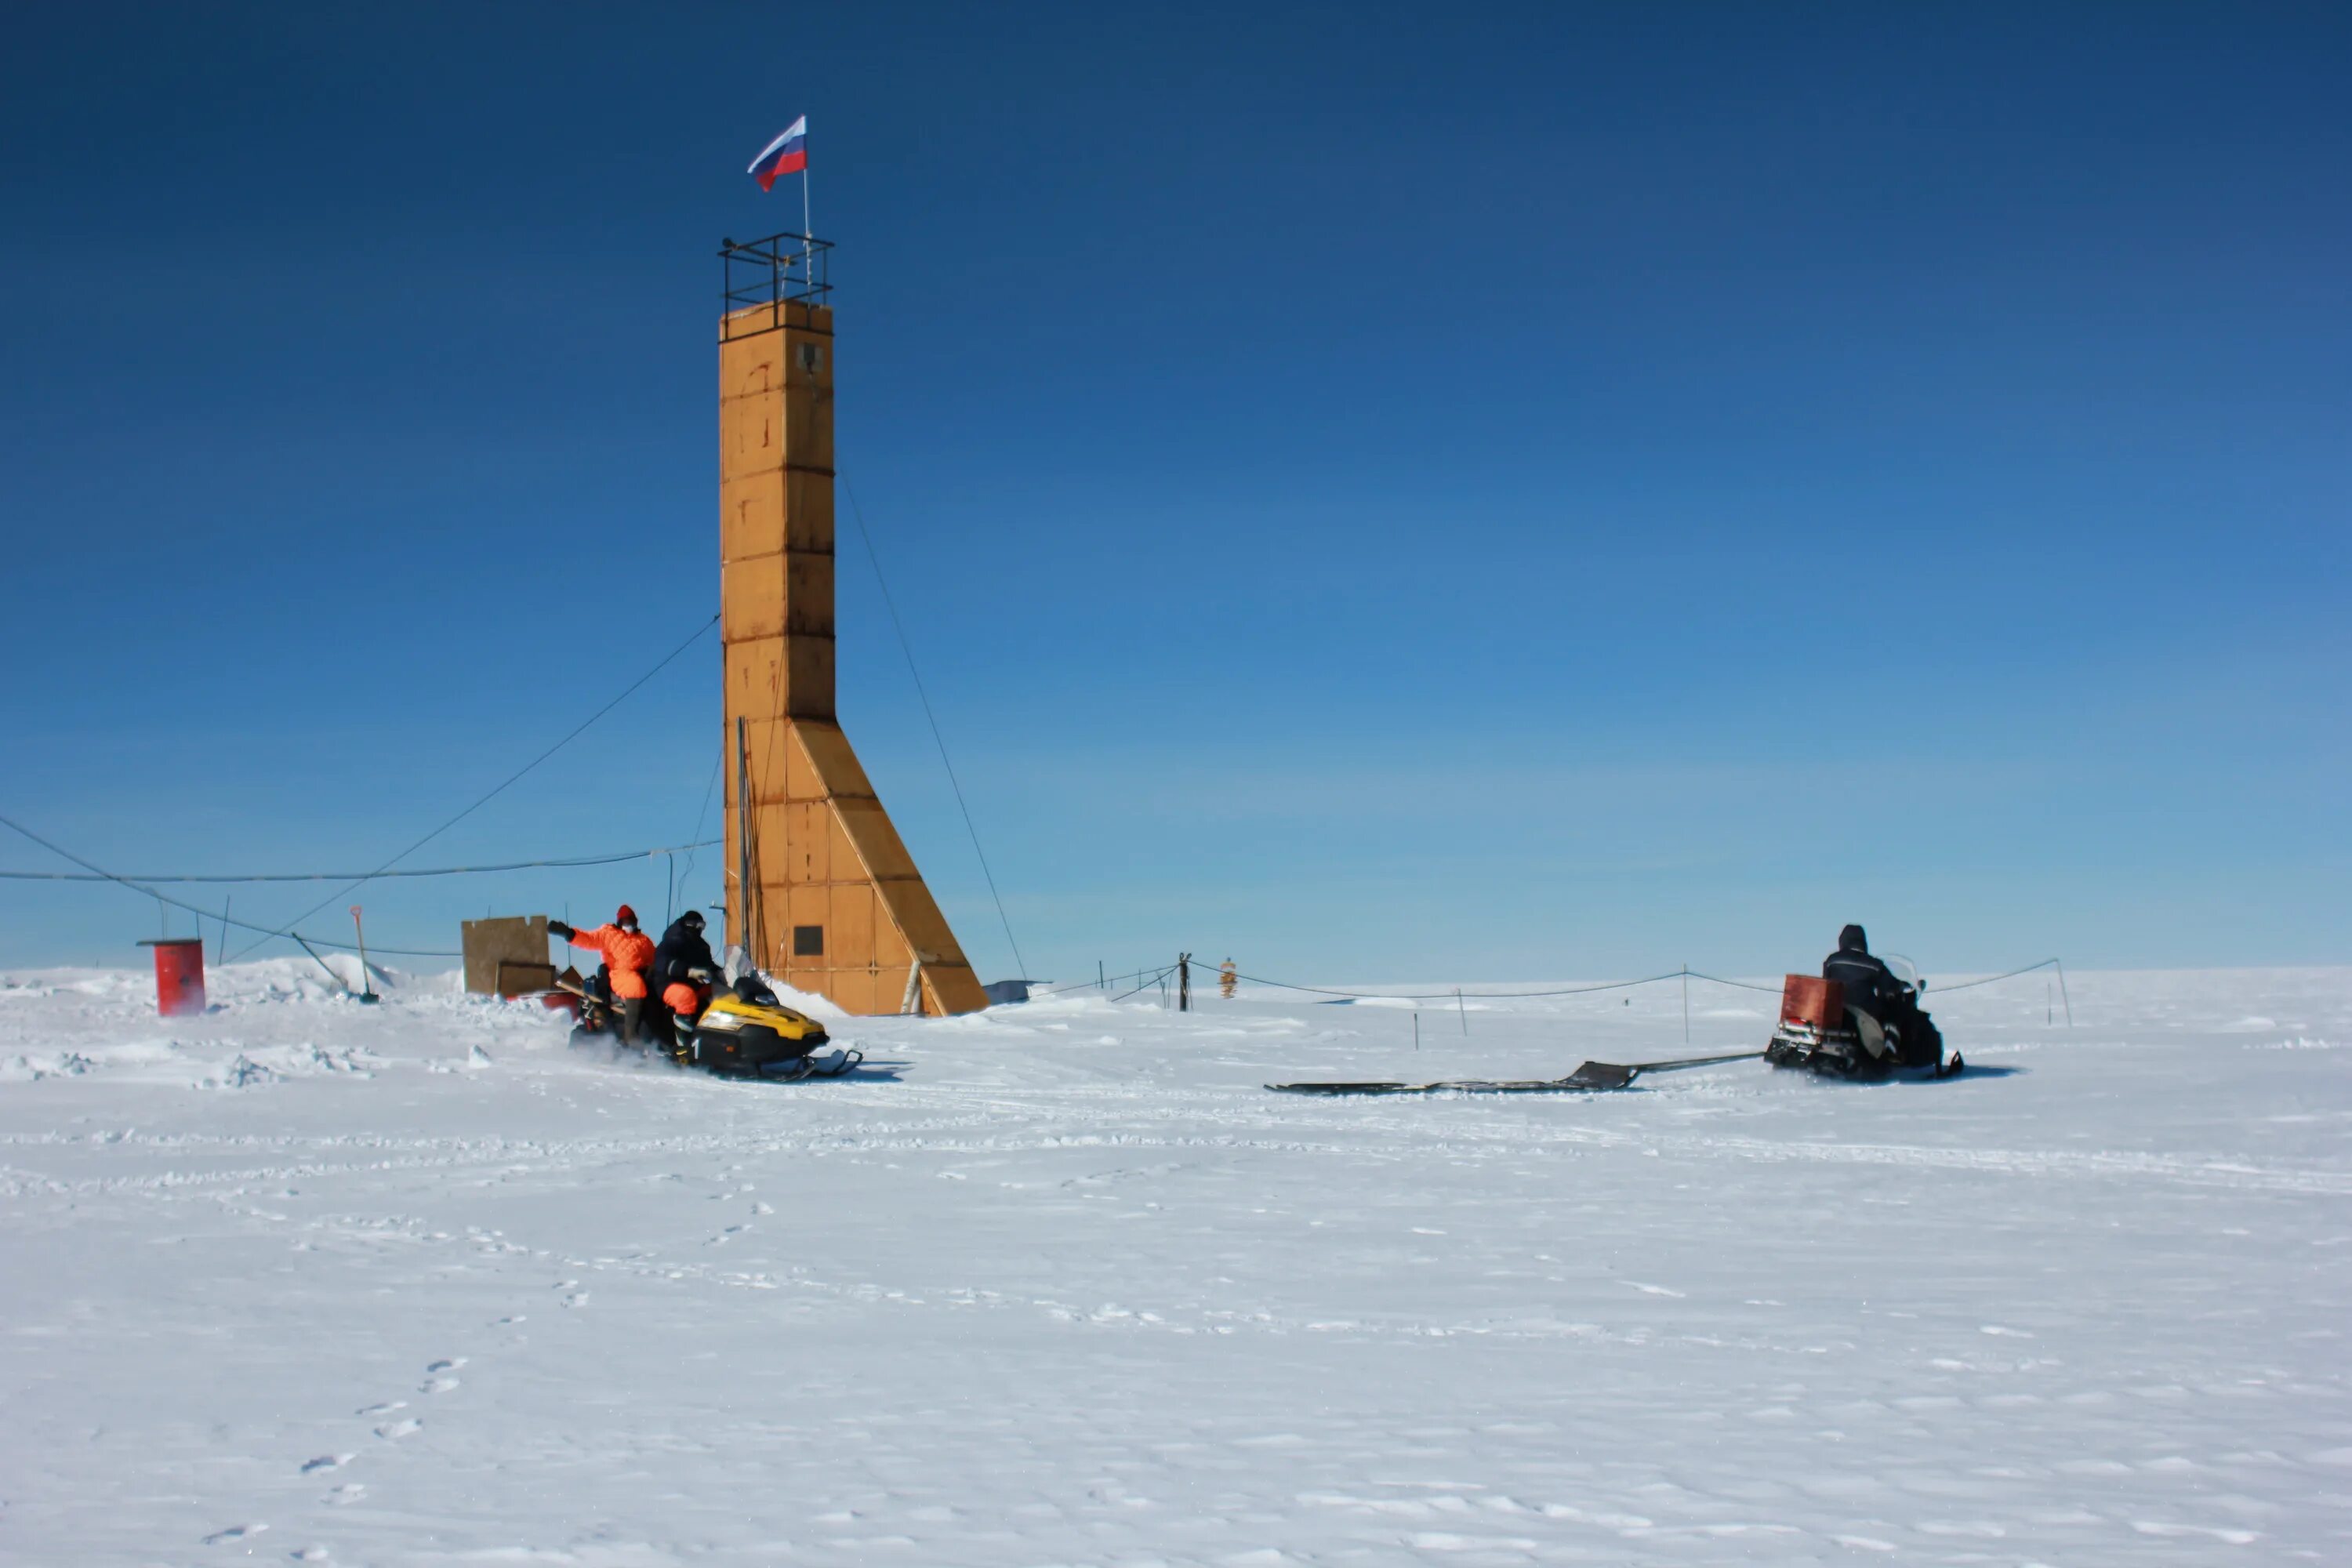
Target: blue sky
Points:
x,y
1489,493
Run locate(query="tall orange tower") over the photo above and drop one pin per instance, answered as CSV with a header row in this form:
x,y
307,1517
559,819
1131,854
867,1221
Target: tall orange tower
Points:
x,y
820,890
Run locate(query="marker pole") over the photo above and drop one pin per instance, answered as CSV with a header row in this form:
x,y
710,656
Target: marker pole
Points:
x,y
367,986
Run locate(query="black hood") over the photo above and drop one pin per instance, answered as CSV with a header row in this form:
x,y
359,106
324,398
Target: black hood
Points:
x,y
1850,940
682,948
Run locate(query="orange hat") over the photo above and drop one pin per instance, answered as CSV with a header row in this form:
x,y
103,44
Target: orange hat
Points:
x,y
626,917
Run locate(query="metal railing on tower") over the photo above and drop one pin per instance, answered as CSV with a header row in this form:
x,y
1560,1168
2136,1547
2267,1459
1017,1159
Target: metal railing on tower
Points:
x,y
767,274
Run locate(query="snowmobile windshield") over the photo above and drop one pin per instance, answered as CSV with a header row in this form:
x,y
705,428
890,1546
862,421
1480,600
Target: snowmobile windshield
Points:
x,y
1903,969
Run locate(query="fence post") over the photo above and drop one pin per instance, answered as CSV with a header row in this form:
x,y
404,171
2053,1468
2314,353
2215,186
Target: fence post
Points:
x,y
1184,983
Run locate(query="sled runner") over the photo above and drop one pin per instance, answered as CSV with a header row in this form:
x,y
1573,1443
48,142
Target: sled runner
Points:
x,y
1592,1078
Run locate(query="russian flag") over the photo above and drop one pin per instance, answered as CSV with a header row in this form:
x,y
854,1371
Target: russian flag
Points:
x,y
787,154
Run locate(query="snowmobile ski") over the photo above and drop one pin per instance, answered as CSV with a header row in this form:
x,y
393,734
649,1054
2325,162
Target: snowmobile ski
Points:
x,y
832,1064
1592,1078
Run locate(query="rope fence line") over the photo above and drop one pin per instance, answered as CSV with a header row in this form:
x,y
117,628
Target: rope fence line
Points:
x,y
1684,974
1990,979
2046,964
1214,971
92,872
1147,984
222,915
1742,985
1056,987
1451,996
338,876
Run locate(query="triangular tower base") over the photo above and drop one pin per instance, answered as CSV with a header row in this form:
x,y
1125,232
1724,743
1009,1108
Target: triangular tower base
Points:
x,y
838,906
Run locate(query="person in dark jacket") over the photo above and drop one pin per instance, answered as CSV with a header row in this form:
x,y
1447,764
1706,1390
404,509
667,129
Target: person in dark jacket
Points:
x,y
683,970
1868,984
1871,987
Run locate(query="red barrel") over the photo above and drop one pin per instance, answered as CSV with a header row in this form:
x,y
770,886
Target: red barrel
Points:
x,y
179,975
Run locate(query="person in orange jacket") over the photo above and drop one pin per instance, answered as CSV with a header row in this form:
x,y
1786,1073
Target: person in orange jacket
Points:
x,y
628,953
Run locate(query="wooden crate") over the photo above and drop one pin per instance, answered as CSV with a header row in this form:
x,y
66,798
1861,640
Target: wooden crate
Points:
x,y
513,943
1810,999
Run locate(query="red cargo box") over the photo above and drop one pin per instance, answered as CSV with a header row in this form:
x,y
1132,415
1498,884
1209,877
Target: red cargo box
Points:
x,y
179,975
1809,999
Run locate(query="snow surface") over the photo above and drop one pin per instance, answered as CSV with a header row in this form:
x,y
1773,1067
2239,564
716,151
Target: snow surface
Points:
x,y
305,1280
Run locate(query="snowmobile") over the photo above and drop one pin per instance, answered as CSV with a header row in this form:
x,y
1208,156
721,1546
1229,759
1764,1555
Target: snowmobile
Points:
x,y
747,1030
1821,1030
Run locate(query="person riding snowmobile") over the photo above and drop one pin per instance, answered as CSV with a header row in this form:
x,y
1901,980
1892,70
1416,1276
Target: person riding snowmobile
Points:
x,y
684,971
628,952
1893,1004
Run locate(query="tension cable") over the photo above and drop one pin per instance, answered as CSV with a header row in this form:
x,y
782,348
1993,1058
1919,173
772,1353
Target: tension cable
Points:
x,y
858,512
493,794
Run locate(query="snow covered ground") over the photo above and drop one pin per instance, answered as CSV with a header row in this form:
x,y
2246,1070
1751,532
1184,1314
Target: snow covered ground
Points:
x,y
301,1280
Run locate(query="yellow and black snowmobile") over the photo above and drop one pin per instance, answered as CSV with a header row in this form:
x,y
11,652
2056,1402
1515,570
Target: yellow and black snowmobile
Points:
x,y
747,1030
744,1030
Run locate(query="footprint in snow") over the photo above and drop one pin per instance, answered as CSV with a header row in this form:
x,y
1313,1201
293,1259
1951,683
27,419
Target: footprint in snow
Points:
x,y
234,1532
327,1462
348,1493
436,1380
386,1408
395,1431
